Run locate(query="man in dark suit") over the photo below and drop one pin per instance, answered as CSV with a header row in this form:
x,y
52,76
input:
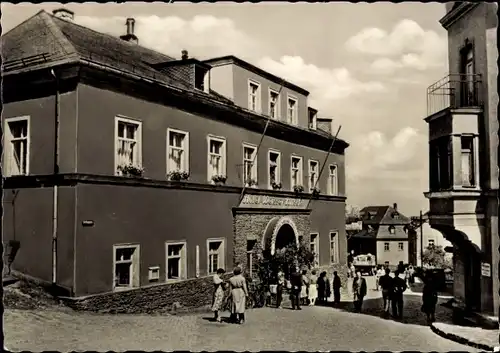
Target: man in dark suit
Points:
x,y
296,282
385,282
359,290
399,286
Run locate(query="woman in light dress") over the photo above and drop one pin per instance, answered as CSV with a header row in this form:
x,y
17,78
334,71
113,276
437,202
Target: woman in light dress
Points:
x,y
313,288
305,288
218,298
239,293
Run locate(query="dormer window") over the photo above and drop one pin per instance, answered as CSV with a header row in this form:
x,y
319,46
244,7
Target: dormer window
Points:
x,y
392,230
313,123
201,79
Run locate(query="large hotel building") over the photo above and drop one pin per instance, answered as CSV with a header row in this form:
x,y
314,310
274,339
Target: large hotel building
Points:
x,y
126,168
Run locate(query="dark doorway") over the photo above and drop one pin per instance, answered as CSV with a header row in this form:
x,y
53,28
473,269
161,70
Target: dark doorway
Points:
x,y
285,237
472,267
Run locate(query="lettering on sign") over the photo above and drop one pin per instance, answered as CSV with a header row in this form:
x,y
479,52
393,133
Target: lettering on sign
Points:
x,y
271,201
485,270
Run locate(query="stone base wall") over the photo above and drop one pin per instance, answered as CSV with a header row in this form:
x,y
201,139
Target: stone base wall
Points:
x,y
186,295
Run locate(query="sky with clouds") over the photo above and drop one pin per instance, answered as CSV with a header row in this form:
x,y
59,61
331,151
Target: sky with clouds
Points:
x,y
366,65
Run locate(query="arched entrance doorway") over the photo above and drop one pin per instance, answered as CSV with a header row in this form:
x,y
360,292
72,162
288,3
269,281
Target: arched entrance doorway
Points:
x,y
285,237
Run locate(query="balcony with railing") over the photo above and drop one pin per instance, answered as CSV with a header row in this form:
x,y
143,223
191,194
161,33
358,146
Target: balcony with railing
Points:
x,y
455,91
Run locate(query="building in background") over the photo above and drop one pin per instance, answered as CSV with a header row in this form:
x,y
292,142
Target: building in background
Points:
x,y
385,234
126,167
463,162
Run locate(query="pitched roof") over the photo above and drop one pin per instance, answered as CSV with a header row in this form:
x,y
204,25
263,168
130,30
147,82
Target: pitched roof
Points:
x,y
45,37
383,215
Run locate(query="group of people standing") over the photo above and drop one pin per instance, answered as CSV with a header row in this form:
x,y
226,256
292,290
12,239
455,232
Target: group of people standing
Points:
x,y
308,289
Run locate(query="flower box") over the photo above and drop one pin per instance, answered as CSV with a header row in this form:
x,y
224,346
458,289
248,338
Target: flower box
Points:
x,y
178,176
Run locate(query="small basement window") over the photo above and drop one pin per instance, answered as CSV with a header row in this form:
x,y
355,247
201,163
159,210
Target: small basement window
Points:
x,y
154,273
201,79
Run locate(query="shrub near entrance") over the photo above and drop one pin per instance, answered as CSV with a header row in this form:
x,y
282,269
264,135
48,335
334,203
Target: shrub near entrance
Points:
x,y
285,260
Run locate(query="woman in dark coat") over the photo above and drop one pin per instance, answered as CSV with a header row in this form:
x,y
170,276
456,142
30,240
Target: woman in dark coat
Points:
x,y
429,298
322,287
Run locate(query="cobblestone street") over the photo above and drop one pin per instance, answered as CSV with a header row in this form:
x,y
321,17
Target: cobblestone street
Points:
x,y
314,328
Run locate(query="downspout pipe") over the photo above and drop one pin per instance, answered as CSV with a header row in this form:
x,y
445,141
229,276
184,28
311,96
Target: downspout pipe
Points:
x,y
56,172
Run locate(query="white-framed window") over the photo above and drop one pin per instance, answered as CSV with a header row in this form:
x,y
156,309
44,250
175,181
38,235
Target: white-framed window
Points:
x,y
392,230
249,165
333,188
216,157
386,247
154,273
274,104
292,110
177,150
16,146
128,143
334,247
202,79
176,260
430,242
296,171
252,263
274,162
313,122
215,254
254,96
314,246
467,160
401,246
313,174
126,266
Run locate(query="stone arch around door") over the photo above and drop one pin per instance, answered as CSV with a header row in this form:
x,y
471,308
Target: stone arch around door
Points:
x,y
278,232
251,228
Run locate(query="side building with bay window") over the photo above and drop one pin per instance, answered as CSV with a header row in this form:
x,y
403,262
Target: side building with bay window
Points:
x,y
126,168
463,159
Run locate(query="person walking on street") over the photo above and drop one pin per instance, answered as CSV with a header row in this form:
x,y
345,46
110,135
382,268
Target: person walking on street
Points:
x,y
385,283
359,290
399,286
279,289
313,288
429,298
239,293
337,284
296,282
218,297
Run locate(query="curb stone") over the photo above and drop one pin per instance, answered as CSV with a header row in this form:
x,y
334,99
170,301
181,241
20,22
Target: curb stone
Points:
x,y
461,340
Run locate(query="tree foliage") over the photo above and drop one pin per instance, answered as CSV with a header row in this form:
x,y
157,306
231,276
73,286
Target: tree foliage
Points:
x,y
434,256
285,259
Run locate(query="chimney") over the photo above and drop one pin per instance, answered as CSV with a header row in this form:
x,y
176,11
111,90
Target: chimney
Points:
x,y
64,14
184,55
395,206
130,36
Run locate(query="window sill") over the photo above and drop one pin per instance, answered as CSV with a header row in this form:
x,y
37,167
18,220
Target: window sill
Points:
x,y
174,280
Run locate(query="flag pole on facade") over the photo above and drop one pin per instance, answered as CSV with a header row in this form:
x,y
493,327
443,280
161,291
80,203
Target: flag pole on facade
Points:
x,y
323,166
258,148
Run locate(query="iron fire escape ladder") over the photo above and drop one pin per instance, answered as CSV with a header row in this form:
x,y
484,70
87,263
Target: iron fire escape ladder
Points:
x,y
257,151
323,166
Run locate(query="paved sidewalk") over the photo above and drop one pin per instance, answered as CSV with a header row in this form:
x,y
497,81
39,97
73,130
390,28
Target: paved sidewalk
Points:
x,y
471,336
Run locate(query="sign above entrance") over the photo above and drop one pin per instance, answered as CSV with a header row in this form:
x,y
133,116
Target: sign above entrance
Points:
x,y
265,201
485,270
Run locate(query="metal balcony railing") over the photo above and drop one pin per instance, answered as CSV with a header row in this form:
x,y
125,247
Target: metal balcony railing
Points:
x,y
455,91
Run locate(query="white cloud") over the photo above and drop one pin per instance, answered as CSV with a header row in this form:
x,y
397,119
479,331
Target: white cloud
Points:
x,y
324,84
407,46
203,36
376,156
